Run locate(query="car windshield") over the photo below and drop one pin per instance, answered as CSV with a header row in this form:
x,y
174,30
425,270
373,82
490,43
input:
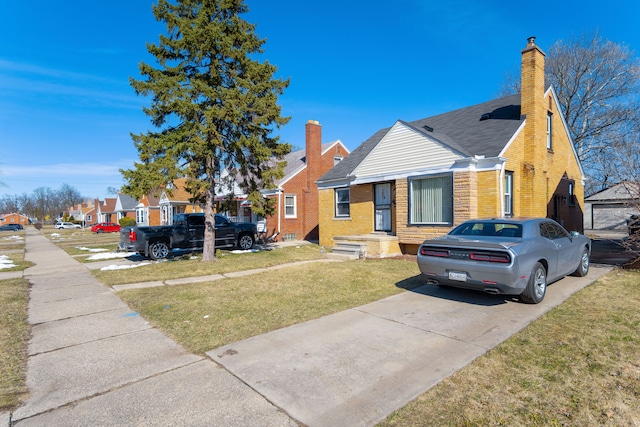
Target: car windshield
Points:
x,y
483,228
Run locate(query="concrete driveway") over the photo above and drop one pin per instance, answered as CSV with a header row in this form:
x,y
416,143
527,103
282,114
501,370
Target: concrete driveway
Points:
x,y
355,367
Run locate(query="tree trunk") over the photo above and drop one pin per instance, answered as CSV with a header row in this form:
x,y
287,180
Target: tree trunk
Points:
x,y
209,248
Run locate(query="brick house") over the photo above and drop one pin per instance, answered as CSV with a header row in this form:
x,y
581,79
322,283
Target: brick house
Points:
x,y
85,212
296,195
88,211
511,156
14,218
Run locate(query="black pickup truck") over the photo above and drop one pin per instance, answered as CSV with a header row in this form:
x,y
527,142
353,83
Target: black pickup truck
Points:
x,y
187,232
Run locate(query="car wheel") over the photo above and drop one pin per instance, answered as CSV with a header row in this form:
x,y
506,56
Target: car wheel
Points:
x,y
537,286
99,231
245,242
158,250
583,267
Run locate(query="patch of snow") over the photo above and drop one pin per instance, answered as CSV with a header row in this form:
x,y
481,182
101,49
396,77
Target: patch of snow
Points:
x,y
14,237
82,248
5,262
237,251
123,267
109,255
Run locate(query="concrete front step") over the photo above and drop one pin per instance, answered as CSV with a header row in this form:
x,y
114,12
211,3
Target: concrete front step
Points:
x,y
352,250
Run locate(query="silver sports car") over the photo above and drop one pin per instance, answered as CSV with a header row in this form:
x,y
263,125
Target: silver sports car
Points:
x,y
516,256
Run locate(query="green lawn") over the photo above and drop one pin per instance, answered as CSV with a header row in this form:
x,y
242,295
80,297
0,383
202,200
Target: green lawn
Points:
x,y
578,365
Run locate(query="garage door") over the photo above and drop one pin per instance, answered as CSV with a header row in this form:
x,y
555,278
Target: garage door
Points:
x,y
611,217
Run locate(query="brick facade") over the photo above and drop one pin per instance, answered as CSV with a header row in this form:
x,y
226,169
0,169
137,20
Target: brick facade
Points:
x,y
542,176
14,218
305,224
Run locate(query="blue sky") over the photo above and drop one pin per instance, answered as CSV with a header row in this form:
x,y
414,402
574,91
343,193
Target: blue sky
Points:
x,y
67,109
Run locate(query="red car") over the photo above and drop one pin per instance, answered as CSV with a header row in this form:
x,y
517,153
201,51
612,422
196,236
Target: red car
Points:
x,y
106,227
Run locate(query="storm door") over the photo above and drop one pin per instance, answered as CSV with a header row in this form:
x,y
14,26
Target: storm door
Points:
x,y
383,206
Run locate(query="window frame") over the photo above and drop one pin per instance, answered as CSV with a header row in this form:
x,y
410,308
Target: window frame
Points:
x,y
448,200
571,198
293,206
550,131
337,203
508,193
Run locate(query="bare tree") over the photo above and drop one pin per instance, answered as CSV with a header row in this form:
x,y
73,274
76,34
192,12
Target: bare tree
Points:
x,y
9,203
598,86
597,83
43,202
67,196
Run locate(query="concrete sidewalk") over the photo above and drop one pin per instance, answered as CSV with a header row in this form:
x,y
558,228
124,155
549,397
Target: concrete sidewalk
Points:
x,y
94,362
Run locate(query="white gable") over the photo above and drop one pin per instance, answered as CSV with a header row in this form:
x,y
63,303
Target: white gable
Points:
x,y
403,150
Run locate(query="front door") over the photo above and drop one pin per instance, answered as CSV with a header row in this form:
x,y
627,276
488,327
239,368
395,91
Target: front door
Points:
x,y
383,207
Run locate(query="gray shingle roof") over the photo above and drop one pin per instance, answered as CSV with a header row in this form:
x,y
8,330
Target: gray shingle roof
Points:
x,y
480,130
619,192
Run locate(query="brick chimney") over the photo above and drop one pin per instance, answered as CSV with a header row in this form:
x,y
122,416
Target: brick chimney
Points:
x,y
314,172
313,152
533,106
532,94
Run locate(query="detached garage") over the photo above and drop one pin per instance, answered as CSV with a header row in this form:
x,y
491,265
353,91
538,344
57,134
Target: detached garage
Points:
x,y
611,208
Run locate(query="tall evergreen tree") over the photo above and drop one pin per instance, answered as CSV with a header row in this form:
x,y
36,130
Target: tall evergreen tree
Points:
x,y
214,105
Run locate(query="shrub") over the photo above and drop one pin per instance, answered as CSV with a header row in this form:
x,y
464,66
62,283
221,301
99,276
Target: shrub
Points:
x,y
127,222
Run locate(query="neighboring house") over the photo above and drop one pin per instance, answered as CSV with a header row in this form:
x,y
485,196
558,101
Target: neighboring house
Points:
x,y
297,205
106,210
176,200
295,195
231,201
14,218
90,213
512,156
159,207
148,210
611,208
84,212
76,211
110,210
125,207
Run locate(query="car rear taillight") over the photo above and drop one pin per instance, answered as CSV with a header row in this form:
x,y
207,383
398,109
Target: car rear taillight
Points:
x,y
132,236
490,257
442,253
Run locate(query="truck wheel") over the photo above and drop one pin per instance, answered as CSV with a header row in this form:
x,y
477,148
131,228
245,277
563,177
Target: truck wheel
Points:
x,y
158,250
245,242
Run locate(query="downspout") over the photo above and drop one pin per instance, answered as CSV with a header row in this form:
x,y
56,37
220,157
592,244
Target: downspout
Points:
x,y
501,186
279,210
